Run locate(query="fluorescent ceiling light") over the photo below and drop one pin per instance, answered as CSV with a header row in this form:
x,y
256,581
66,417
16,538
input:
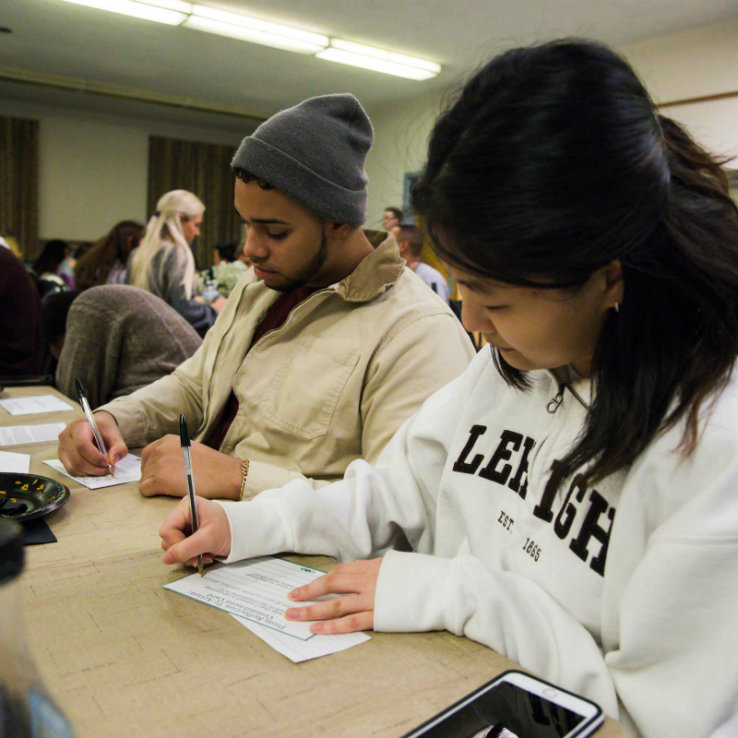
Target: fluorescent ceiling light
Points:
x,y
171,12
234,25
378,60
257,31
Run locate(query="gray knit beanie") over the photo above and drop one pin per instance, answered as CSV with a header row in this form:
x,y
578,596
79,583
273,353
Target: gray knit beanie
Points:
x,y
314,152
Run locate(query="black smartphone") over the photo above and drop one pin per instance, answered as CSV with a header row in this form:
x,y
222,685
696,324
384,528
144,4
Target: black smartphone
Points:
x,y
515,705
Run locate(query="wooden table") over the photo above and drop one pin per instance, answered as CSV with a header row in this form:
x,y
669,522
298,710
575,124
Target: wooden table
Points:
x,y
124,657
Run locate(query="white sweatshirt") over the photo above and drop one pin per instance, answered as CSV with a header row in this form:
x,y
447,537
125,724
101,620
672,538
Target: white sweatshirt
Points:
x,y
625,591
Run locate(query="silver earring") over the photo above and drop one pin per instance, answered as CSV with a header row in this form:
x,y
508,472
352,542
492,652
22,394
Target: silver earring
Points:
x,y
617,307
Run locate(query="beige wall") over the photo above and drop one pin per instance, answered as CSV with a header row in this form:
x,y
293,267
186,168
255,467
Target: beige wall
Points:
x,y
698,62
92,175
93,166
400,142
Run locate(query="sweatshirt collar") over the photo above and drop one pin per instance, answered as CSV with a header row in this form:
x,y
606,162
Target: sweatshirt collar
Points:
x,y
581,388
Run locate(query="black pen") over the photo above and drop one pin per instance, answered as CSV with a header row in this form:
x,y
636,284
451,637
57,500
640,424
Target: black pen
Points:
x,y
184,440
91,420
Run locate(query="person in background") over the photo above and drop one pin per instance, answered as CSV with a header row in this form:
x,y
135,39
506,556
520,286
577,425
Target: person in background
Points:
x,y
54,311
115,339
391,217
224,274
163,263
79,250
45,268
105,262
326,345
224,252
75,251
410,242
21,348
66,269
571,500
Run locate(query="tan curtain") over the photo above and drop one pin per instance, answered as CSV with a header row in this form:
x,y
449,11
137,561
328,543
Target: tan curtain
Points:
x,y
204,169
19,183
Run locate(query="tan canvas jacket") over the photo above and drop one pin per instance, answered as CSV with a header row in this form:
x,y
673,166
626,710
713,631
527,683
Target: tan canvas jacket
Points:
x,y
332,384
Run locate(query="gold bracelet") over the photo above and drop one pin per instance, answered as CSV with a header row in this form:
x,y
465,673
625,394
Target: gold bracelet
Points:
x,y
244,474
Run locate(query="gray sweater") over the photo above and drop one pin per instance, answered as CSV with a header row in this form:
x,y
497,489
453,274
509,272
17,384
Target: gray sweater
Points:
x,y
165,279
120,338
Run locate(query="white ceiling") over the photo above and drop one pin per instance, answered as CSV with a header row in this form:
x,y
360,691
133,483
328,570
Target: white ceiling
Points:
x,y
92,47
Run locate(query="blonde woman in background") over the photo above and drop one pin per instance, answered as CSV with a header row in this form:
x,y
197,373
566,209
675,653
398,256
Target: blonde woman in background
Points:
x,y
164,264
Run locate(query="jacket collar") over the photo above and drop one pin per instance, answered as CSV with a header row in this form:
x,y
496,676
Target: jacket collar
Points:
x,y
376,273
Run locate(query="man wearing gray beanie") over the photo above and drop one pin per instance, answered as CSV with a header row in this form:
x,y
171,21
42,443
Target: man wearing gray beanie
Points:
x,y
324,347
314,153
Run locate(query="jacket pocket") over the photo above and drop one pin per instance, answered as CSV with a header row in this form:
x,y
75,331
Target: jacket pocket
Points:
x,y
303,395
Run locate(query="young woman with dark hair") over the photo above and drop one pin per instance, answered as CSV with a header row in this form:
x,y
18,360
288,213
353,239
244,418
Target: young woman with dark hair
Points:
x,y
45,270
52,254
572,499
105,262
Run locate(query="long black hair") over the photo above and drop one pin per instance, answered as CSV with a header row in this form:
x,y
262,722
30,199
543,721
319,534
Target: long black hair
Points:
x,y
553,163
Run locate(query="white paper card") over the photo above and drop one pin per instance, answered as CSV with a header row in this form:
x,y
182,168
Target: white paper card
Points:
x,y
18,463
15,435
128,469
255,589
297,650
255,593
35,404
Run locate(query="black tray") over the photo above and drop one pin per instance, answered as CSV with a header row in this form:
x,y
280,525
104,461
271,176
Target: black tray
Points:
x,y
28,496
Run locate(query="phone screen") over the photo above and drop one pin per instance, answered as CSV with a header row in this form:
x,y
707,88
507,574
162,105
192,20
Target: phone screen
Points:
x,y
507,711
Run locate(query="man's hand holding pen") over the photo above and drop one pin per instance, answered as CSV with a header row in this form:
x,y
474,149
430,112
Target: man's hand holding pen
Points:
x,y
218,475
79,452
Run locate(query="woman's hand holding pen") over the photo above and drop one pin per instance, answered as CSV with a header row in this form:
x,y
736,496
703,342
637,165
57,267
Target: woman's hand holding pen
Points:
x,y
162,470
357,580
78,451
212,539
355,611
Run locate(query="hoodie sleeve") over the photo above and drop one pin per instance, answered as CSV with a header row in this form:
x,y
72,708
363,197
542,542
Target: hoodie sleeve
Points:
x,y
360,516
505,611
668,661
364,516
